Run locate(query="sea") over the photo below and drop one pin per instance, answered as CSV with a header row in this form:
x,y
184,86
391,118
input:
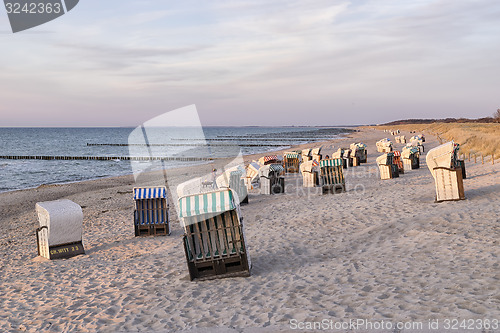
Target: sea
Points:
x,y
114,144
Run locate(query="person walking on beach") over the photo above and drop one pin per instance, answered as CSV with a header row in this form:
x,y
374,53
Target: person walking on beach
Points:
x,y
214,176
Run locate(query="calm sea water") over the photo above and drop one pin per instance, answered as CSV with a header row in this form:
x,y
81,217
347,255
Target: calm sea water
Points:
x,y
175,142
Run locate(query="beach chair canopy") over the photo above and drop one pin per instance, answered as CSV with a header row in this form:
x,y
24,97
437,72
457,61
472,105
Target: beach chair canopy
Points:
x,y
268,159
309,166
331,162
223,179
141,193
267,170
442,156
385,159
211,203
63,219
316,151
291,155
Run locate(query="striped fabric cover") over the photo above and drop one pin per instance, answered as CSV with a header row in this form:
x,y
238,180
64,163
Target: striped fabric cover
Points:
x,y
207,203
270,158
331,162
276,167
150,193
315,163
397,153
292,155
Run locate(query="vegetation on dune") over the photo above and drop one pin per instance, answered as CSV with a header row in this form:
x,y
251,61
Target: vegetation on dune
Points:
x,y
483,138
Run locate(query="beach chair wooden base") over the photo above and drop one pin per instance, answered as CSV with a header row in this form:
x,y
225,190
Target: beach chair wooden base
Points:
x,y
310,179
215,247
274,185
218,269
355,161
449,184
385,171
337,188
395,171
63,251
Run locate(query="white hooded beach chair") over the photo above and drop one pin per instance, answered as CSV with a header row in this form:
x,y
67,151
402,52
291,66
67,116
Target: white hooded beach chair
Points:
x,y
411,157
60,232
442,163
214,239
252,175
306,155
387,168
332,176
384,145
316,154
359,150
233,178
291,161
310,173
271,179
151,211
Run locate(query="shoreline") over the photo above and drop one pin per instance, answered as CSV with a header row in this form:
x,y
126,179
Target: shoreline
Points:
x,y
341,136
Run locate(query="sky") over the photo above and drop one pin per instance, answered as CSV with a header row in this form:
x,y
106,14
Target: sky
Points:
x,y
268,63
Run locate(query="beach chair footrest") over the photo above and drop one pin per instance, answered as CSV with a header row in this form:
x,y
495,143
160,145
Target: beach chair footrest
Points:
x,y
337,188
219,268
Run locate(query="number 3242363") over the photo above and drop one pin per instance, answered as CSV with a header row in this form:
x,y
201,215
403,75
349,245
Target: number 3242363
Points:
x,y
33,8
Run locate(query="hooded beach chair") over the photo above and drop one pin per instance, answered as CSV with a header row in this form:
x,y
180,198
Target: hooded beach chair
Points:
x,y
442,163
310,173
271,179
316,154
417,141
332,176
306,155
384,145
252,175
151,211
359,150
387,168
398,162
411,157
291,161
233,178
270,159
60,232
214,240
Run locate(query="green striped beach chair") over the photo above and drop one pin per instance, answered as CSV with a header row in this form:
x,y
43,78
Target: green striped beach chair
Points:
x,y
214,241
151,211
291,162
332,176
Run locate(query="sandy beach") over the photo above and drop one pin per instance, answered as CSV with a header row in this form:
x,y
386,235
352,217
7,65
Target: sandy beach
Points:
x,y
381,251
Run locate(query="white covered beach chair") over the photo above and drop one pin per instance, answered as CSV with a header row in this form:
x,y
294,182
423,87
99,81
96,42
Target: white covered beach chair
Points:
x,y
252,175
442,163
359,150
310,173
214,239
387,168
151,211
384,145
316,154
61,227
271,179
411,157
234,178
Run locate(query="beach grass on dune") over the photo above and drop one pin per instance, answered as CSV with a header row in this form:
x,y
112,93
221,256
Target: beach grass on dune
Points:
x,y
481,138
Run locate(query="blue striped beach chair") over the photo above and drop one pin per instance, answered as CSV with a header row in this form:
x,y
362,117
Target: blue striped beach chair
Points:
x,y
151,211
291,162
332,176
214,241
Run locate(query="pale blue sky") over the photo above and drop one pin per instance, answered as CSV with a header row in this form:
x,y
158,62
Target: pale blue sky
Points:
x,y
120,63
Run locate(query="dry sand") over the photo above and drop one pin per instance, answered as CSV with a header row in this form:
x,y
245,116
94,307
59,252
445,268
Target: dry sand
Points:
x,y
382,251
